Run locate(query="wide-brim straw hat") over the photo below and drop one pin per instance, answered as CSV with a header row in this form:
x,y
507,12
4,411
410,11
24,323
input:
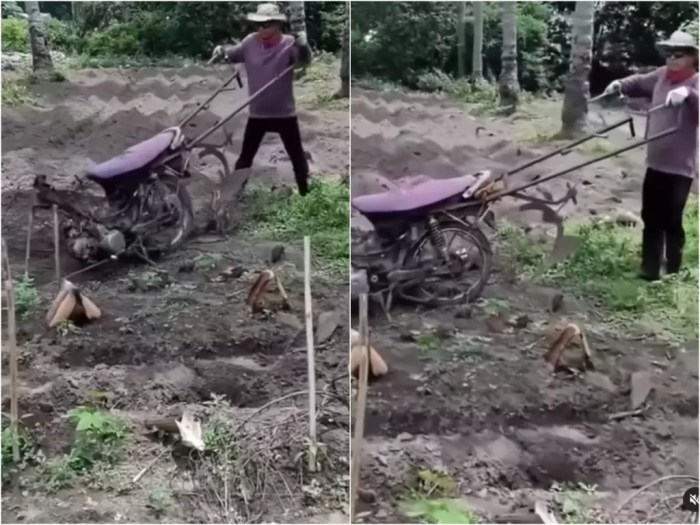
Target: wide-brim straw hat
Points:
x,y
267,13
679,40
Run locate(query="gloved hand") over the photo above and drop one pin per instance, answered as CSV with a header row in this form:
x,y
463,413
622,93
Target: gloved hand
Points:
x,y
677,96
614,87
218,53
301,39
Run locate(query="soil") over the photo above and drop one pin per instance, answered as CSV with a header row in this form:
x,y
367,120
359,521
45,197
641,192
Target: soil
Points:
x,y
177,335
475,398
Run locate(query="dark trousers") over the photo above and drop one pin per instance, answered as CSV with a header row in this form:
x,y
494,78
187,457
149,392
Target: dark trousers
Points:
x,y
664,196
288,130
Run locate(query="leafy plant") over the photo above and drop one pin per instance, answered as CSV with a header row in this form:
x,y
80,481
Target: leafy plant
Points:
x,y
26,296
323,214
26,446
158,501
100,437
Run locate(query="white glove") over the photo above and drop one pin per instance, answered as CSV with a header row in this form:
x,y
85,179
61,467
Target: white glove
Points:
x,y
677,96
301,39
217,53
614,87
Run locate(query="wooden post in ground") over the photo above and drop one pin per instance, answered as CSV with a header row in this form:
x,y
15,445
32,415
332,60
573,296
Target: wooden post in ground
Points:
x,y
361,407
310,355
12,343
56,246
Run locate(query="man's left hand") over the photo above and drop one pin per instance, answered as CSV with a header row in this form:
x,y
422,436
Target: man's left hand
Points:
x,y
677,96
301,39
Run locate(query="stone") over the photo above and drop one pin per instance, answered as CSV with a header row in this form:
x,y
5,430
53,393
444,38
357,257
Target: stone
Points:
x,y
326,324
599,380
641,386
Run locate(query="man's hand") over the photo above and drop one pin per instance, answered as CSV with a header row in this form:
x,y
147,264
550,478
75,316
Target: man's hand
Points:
x,y
677,96
301,39
217,54
614,87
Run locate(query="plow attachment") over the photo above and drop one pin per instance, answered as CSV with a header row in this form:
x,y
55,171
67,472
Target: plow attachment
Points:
x,y
551,207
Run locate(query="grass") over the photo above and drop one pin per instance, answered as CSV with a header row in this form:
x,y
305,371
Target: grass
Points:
x,y
323,214
432,497
15,91
604,270
321,81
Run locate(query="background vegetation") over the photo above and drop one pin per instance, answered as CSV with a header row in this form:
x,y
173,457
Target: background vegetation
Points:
x,y
625,34
155,29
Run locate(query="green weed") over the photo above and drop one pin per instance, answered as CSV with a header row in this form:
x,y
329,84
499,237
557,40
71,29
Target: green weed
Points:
x,y
14,91
432,497
26,445
604,270
26,296
100,438
323,214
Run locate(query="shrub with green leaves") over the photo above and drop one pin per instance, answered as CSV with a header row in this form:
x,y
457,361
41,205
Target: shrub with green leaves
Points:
x,y
323,214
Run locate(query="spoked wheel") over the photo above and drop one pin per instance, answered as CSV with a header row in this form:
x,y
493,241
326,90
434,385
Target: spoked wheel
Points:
x,y
462,277
167,211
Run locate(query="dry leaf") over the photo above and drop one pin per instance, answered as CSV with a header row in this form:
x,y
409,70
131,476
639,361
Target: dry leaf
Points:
x,y
256,295
562,341
190,431
71,304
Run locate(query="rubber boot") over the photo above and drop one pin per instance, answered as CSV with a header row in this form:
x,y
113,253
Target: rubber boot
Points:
x,y
652,252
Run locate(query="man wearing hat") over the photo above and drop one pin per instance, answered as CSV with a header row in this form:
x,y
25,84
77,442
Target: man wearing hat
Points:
x,y
672,160
266,54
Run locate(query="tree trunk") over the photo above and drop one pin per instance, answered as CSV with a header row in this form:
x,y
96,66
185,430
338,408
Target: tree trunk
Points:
x,y
297,24
344,91
574,115
477,43
461,38
508,86
41,57
297,17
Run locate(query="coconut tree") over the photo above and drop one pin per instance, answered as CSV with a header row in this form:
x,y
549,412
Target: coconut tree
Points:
x,y
344,91
461,37
575,109
41,56
297,17
297,23
508,86
478,41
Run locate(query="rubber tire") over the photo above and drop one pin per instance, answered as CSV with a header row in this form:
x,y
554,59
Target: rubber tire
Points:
x,y
480,240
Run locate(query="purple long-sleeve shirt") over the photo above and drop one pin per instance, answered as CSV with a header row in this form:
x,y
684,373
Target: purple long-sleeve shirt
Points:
x,y
676,153
262,64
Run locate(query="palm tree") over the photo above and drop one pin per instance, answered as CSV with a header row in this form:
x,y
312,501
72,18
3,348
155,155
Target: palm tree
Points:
x,y
297,17
508,86
477,43
461,37
297,23
344,91
575,109
41,56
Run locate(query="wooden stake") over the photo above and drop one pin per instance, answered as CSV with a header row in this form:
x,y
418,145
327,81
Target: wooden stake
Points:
x,y
12,340
363,376
310,359
56,246
28,250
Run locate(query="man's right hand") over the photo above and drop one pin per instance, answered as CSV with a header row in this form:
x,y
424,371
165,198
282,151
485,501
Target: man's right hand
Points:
x,y
217,54
614,87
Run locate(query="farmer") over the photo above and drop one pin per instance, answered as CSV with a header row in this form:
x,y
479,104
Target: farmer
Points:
x,y
267,53
671,161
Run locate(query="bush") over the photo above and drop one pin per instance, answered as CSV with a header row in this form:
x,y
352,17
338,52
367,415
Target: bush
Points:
x,y
15,35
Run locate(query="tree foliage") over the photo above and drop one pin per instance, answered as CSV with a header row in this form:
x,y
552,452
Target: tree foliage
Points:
x,y
158,29
404,41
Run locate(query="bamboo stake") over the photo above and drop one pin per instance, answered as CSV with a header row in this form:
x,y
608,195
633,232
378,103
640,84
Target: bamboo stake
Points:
x,y
12,340
361,406
56,246
28,250
310,359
